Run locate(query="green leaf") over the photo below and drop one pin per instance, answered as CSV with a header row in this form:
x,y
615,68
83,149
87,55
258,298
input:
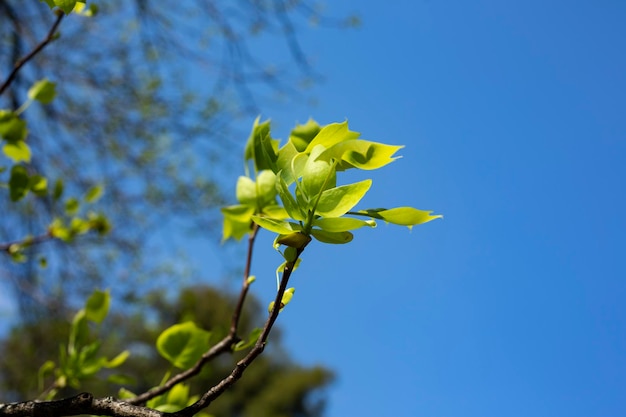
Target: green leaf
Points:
x,y
317,175
18,183
266,188
66,5
297,240
44,90
332,134
332,237
118,360
261,148
277,226
12,128
94,193
361,154
289,202
97,306
246,191
38,185
341,224
57,193
283,163
302,135
337,201
237,221
183,344
18,151
408,216
287,296
243,344
71,206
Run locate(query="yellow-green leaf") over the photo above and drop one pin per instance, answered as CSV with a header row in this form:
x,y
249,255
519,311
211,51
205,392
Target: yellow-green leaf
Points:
x,y
44,90
342,224
337,201
18,151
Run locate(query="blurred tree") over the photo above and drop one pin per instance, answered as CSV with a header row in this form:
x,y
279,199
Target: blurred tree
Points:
x,y
273,386
147,92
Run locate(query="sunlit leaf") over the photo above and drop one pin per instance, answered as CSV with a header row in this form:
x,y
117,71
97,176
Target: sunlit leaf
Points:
x,y
237,221
246,191
18,151
44,90
94,193
266,187
297,240
361,154
261,149
302,135
317,175
38,185
404,216
337,201
97,306
183,344
341,224
245,344
283,163
289,202
332,134
117,360
332,237
277,226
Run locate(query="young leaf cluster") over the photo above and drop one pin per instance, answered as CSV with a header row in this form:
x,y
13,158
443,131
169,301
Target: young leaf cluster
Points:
x,y
293,190
79,359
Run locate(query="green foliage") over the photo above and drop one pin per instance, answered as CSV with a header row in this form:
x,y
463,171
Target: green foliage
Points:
x,y
183,344
303,174
80,359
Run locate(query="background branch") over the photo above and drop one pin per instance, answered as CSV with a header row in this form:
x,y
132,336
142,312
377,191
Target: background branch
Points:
x,y
19,64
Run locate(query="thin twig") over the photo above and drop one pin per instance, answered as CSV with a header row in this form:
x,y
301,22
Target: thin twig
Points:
x,y
224,345
19,64
258,348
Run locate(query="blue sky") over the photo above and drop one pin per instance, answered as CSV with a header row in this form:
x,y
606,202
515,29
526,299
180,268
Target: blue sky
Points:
x,y
512,114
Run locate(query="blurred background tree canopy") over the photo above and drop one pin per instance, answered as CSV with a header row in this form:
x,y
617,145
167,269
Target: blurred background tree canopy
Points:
x,y
148,97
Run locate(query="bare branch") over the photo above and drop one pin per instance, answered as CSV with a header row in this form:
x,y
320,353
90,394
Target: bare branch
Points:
x,y
19,64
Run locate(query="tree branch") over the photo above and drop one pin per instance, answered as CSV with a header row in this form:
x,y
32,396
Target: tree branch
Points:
x,y
19,64
224,345
84,403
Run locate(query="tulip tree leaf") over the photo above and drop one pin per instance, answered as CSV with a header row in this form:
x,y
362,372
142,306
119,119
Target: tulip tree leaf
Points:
x,y
246,191
289,202
261,148
331,135
237,221
266,188
341,224
361,154
332,237
97,306
403,216
18,183
183,344
337,201
317,175
44,90
282,227
18,151
12,128
302,135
